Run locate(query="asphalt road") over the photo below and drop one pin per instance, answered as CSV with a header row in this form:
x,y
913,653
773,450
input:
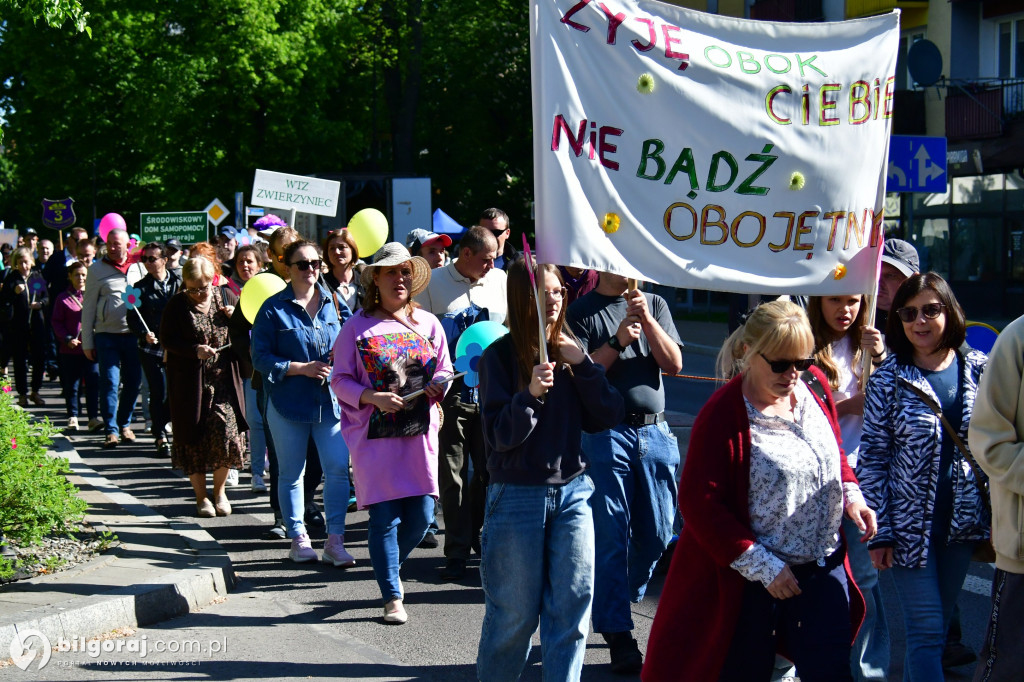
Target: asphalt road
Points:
x,y
343,608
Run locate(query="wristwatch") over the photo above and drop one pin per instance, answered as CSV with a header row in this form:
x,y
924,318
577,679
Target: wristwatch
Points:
x,y
615,344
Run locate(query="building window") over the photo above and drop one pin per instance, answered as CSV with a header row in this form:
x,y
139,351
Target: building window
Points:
x,y
1010,49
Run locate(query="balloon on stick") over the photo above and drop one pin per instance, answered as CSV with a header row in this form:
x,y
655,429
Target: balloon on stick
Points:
x,y
131,298
471,345
369,228
257,290
111,221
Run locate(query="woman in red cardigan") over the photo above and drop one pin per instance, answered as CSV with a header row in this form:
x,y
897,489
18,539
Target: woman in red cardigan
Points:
x,y
760,564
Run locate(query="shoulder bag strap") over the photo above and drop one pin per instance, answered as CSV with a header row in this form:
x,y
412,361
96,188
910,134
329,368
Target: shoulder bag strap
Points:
x,y
937,409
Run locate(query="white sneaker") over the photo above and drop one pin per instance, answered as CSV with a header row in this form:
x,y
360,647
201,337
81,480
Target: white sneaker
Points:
x,y
302,550
335,554
232,477
72,423
258,486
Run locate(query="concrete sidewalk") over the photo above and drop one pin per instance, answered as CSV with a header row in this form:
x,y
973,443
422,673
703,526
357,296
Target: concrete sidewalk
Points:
x,y
160,569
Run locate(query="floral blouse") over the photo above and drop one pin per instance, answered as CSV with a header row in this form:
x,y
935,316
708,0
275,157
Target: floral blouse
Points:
x,y
796,493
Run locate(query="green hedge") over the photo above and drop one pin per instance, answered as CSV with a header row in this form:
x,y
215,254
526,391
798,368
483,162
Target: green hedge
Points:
x,y
35,497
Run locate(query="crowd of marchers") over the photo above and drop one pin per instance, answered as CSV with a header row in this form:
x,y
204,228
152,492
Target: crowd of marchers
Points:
x,y
835,449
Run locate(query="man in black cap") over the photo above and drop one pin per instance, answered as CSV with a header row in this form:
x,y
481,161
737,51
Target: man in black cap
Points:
x,y
174,256
899,262
227,242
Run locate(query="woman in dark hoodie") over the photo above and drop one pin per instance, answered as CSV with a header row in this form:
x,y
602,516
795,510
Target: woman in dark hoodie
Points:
x,y
538,535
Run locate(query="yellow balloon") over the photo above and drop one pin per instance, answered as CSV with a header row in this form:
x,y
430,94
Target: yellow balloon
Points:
x,y
369,228
257,290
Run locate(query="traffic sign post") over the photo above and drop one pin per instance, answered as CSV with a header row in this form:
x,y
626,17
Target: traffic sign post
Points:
x,y
217,212
916,164
188,228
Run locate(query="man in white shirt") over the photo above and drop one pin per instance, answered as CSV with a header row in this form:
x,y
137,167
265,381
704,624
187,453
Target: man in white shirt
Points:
x,y
467,290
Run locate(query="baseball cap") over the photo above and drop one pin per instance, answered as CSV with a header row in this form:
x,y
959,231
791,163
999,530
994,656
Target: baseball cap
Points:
x,y
902,256
173,245
420,237
227,231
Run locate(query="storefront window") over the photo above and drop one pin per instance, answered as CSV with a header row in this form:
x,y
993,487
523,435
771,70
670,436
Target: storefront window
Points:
x,y
977,244
981,192
1014,192
931,239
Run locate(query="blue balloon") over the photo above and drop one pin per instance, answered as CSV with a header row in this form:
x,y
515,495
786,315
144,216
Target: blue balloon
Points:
x,y
481,334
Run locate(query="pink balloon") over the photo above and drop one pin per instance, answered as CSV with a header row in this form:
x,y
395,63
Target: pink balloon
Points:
x,y
111,221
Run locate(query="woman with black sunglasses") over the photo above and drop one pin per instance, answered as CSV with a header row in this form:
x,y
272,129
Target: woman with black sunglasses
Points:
x,y
930,510
292,348
763,492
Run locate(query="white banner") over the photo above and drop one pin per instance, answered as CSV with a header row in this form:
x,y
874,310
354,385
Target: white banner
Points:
x,y
708,152
304,194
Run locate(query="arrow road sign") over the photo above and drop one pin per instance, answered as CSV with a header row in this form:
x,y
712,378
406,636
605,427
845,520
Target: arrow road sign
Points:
x,y
916,164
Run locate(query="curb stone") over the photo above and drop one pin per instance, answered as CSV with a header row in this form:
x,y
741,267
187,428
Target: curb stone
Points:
x,y
204,573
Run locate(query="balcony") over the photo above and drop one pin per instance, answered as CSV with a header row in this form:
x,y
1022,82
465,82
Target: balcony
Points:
x,y
868,8
978,110
787,10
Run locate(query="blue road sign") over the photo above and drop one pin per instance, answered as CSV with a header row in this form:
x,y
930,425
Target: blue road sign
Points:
x,y
916,164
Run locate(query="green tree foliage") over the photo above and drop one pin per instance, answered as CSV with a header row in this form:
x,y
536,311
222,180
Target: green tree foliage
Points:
x,y
172,103
53,12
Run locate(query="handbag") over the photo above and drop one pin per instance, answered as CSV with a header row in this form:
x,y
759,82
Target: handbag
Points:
x,y
983,550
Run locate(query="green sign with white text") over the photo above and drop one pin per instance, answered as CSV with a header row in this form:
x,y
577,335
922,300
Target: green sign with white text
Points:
x,y
188,228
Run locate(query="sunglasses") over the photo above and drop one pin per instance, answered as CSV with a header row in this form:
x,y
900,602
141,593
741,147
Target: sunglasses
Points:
x,y
304,265
780,366
151,259
929,310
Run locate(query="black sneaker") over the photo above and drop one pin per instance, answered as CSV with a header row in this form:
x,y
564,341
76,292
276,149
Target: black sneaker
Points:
x,y
277,531
957,654
454,569
314,517
429,541
626,657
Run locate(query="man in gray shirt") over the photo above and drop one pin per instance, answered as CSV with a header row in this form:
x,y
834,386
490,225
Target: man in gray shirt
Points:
x,y
633,465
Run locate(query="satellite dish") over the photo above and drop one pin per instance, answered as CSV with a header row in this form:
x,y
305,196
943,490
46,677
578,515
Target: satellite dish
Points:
x,y
924,61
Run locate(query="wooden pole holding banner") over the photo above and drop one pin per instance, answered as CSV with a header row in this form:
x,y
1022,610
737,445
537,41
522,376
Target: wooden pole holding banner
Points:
x,y
865,369
538,291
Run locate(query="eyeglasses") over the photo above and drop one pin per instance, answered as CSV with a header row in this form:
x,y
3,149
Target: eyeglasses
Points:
x,y
781,366
304,265
151,259
199,291
929,310
557,294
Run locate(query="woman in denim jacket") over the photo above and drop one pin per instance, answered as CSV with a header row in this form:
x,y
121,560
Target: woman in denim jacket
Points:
x,y
292,340
930,513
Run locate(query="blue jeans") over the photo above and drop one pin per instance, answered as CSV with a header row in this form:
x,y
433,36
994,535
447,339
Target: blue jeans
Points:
x,y
76,369
257,439
156,377
118,355
927,596
292,441
870,656
396,527
634,474
538,561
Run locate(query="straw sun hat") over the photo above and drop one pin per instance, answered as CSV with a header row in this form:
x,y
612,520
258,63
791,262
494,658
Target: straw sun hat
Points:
x,y
394,253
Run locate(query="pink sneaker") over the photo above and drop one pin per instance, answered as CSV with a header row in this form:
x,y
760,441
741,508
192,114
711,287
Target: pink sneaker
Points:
x,y
334,552
302,550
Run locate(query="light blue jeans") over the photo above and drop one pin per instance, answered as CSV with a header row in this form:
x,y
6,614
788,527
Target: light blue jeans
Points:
x,y
634,474
396,527
538,562
291,440
869,659
257,439
927,596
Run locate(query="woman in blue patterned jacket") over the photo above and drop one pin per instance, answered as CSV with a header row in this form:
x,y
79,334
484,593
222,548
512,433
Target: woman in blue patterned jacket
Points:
x,y
930,513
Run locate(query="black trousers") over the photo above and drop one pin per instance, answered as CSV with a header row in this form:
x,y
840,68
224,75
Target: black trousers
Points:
x,y
814,627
